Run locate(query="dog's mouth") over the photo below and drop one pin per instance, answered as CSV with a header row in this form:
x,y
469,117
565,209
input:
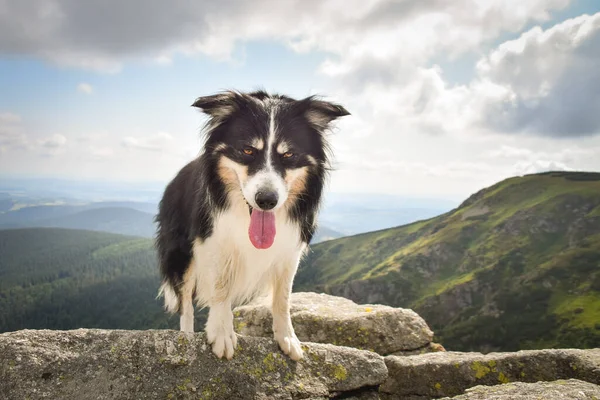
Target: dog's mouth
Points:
x,y
262,227
248,204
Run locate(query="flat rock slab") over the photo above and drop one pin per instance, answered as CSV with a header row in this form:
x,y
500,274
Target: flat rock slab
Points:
x,y
571,389
322,318
451,373
166,364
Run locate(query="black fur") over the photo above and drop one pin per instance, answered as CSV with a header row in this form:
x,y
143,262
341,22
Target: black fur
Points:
x,y
191,200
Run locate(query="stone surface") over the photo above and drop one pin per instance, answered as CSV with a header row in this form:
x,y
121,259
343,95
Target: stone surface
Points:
x,y
322,318
571,389
428,348
166,364
451,373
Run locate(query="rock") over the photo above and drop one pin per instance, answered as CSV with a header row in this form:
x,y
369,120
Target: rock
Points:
x,y
451,373
428,348
167,364
322,318
571,389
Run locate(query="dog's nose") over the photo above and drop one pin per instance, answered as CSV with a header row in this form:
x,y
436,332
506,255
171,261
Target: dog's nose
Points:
x,y
266,200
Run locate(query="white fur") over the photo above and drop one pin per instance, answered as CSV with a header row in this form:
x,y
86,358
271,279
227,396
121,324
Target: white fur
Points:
x,y
229,270
170,297
258,144
265,180
282,147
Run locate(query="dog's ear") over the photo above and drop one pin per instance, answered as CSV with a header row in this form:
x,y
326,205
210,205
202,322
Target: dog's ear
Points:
x,y
320,113
218,105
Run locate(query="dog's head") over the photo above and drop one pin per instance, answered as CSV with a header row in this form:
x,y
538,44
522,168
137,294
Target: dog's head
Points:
x,y
267,145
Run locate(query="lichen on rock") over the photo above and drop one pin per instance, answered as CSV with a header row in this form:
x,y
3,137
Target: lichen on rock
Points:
x,y
561,389
323,318
168,364
451,373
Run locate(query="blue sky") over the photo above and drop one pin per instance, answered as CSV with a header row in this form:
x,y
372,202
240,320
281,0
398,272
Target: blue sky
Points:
x,y
444,100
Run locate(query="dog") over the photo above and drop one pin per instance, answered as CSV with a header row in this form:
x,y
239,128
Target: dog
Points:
x,y
234,223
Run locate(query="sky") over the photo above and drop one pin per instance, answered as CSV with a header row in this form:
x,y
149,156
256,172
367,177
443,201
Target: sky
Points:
x,y
446,97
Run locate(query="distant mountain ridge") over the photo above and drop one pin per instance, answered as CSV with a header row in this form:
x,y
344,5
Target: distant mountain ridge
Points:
x,y
111,217
24,200
526,249
121,220
30,214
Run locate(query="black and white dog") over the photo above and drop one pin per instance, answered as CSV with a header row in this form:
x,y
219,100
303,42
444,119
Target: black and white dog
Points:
x,y
235,222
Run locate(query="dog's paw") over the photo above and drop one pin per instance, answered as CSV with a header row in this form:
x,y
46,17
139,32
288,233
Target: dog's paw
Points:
x,y
290,345
223,340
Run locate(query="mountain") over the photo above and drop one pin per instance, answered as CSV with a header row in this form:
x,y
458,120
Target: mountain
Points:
x,y
63,279
353,213
127,218
28,215
123,220
26,201
515,266
32,191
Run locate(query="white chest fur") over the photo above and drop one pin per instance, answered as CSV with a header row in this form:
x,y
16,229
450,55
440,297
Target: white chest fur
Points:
x,y
227,266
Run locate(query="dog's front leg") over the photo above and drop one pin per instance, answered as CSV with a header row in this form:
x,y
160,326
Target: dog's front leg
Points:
x,y
219,329
219,325
282,322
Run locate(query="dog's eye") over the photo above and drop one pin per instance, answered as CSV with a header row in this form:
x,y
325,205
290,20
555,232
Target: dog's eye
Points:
x,y
249,151
287,154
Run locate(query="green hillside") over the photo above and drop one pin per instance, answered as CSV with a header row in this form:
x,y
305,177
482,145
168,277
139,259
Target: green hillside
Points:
x,y
515,266
63,279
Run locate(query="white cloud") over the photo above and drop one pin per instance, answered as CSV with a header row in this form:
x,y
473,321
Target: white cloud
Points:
x,y
12,135
355,31
85,88
533,167
509,152
51,146
101,153
158,142
53,142
9,118
547,81
15,137
565,154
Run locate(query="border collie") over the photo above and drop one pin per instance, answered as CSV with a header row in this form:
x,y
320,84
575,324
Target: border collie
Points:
x,y
234,223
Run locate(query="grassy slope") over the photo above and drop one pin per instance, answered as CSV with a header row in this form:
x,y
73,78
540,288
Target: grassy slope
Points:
x,y
63,279
515,266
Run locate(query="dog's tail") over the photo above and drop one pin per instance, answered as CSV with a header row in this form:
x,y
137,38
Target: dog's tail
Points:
x,y
170,296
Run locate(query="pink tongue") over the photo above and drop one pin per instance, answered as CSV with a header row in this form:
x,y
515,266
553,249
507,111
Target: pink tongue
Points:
x,y
262,229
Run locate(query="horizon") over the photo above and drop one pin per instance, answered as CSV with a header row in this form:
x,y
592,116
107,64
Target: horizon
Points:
x,y
477,99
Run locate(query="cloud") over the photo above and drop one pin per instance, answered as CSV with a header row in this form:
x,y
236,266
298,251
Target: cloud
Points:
x,y
546,82
100,153
510,152
157,142
566,154
53,142
526,161
9,118
85,88
537,166
12,135
77,34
